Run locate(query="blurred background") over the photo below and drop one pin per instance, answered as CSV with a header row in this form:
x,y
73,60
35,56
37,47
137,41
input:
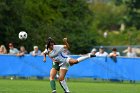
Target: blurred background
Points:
x,y
86,23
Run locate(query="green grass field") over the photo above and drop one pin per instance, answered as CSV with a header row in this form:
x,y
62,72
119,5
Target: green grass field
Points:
x,y
42,86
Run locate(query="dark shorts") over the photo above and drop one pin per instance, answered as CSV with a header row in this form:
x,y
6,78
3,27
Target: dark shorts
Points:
x,y
56,66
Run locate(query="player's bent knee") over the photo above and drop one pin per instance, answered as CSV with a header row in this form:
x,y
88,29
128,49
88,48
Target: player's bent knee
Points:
x,y
52,78
61,78
73,62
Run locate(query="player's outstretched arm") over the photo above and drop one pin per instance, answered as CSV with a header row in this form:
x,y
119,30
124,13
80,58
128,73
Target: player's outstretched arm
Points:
x,y
44,55
44,58
66,44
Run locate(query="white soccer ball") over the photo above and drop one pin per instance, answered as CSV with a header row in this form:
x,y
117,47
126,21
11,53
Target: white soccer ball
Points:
x,y
22,35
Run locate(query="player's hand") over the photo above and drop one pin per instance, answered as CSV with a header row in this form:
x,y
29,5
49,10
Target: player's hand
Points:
x,y
65,39
44,60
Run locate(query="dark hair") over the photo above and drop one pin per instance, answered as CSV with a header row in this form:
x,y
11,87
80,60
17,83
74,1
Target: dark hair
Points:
x,y
114,49
50,40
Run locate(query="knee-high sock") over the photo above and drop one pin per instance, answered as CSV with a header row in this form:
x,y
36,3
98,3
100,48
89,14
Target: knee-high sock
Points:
x,y
64,85
83,58
53,85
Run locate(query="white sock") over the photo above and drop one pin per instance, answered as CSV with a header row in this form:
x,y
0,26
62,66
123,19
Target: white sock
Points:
x,y
83,58
64,85
54,91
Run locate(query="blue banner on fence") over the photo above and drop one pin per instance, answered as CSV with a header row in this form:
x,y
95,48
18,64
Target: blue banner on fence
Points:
x,y
98,67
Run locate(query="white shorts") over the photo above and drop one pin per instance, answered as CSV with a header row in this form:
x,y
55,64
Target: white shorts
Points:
x,y
65,65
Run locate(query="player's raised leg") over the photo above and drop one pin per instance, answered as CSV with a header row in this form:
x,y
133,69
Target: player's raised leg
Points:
x,y
75,61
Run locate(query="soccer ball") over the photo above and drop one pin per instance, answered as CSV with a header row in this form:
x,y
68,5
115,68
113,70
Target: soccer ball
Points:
x,y
22,35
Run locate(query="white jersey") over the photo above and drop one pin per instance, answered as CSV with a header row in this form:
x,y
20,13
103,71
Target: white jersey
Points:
x,y
57,53
101,54
131,54
117,53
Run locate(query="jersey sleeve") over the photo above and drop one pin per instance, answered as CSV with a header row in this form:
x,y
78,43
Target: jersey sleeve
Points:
x,y
45,51
56,50
59,47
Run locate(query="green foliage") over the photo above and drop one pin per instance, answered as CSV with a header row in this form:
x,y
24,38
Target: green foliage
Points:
x,y
44,18
129,37
108,16
82,23
132,15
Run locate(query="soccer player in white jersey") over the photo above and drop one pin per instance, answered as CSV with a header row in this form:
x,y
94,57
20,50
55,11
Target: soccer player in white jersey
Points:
x,y
53,72
55,52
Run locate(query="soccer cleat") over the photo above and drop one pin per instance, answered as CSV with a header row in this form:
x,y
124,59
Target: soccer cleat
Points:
x,y
54,91
67,92
92,55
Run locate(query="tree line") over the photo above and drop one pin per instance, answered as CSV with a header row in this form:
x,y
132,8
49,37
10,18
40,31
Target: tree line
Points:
x,y
82,23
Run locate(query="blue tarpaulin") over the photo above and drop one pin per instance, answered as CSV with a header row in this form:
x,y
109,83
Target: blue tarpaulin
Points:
x,y
98,67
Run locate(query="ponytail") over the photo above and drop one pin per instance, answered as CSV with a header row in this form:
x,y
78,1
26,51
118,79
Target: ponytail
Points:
x,y
49,40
